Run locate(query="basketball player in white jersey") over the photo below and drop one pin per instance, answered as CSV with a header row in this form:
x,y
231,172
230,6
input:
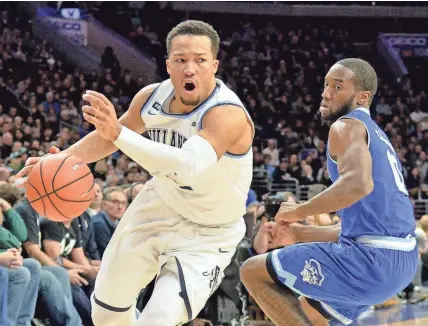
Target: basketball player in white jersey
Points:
x,y
186,223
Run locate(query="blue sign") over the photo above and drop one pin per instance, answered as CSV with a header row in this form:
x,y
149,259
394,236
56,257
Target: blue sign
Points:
x,y
409,45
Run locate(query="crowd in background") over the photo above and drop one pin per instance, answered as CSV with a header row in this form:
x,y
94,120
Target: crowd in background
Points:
x,y
277,72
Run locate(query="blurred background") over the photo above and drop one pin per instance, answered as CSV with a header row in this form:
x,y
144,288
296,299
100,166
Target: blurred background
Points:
x,y
274,55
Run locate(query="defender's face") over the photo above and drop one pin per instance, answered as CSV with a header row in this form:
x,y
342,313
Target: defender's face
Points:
x,y
339,93
192,68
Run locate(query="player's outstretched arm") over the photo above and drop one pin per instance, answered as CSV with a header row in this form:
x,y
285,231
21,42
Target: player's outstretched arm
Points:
x,y
222,130
348,145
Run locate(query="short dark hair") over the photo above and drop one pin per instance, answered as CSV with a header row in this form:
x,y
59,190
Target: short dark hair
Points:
x,y
365,76
10,194
195,28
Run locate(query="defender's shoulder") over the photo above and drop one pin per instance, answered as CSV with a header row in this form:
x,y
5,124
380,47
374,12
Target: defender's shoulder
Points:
x,y
348,128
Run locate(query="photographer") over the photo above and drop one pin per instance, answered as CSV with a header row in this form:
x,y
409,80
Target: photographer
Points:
x,y
267,235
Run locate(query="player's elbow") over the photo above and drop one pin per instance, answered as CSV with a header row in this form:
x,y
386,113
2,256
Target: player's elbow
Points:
x,y
369,186
363,186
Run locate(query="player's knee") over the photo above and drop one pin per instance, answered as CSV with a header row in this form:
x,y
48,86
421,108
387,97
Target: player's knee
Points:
x,y
104,315
248,269
254,270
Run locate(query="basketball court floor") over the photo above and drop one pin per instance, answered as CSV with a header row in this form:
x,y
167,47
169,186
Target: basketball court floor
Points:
x,y
399,315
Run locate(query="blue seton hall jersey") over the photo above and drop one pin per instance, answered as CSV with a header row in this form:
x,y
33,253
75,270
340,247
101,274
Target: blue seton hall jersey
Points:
x,y
387,211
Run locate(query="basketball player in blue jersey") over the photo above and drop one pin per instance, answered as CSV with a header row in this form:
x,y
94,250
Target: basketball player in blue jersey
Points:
x,y
340,271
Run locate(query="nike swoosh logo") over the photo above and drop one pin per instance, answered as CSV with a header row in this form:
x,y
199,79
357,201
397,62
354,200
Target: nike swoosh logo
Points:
x,y
223,251
151,113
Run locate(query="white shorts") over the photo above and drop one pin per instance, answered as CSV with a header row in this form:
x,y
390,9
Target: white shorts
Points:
x,y
150,239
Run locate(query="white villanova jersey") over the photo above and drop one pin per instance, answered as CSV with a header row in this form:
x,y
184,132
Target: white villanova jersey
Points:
x,y
218,196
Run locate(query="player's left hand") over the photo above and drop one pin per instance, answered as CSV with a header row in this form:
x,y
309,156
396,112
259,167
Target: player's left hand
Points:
x,y
102,115
288,213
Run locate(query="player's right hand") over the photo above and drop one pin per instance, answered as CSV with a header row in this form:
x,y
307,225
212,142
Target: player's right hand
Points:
x,y
29,164
75,277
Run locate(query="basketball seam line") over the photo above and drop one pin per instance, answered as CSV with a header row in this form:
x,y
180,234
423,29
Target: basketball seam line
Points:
x,y
44,187
62,187
44,208
80,178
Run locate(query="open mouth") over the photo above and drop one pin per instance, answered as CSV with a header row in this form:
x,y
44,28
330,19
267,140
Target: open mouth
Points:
x,y
189,86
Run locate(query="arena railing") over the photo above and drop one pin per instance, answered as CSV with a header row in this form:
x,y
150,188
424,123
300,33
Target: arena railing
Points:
x,y
420,208
278,8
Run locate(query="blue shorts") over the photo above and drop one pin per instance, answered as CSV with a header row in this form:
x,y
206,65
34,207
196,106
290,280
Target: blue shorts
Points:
x,y
346,278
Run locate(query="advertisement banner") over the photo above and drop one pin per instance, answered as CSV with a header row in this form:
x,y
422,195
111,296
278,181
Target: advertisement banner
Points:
x,y
409,45
74,29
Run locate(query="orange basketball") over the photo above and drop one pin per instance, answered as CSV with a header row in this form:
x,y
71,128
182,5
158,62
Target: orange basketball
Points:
x,y
60,187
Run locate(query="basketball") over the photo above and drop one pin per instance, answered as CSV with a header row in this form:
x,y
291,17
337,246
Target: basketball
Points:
x,y
60,187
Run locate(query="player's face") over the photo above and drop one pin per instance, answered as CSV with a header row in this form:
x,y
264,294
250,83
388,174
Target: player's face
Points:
x,y
339,95
192,68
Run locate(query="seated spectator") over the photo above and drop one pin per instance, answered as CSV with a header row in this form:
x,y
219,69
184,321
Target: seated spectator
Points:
x,y
280,174
105,222
62,312
62,243
272,151
86,227
12,233
307,175
4,281
24,278
96,203
134,190
413,182
294,169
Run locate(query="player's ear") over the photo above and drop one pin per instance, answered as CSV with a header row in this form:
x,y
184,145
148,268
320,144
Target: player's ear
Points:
x,y
215,66
364,98
167,66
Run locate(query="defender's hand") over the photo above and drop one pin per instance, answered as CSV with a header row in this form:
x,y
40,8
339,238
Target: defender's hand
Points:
x,y
288,213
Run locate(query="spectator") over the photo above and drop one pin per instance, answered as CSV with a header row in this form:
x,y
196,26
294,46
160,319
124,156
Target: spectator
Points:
x,y
32,248
86,227
272,151
105,222
24,277
294,169
134,190
4,281
62,243
12,233
110,62
413,182
308,175
280,174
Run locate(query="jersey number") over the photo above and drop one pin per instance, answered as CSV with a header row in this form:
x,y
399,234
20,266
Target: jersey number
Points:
x,y
398,176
